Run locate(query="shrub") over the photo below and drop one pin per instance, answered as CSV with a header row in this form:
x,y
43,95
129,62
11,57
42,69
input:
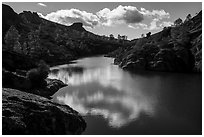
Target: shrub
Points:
x,y
148,34
12,39
38,75
178,22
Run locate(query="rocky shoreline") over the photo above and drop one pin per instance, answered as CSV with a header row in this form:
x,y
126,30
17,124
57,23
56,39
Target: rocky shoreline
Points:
x,y
175,49
27,109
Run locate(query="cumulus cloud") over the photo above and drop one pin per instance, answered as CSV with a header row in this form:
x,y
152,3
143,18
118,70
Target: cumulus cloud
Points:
x,y
67,17
138,25
41,4
156,17
166,24
133,17
160,14
121,14
155,24
129,15
133,27
40,15
144,26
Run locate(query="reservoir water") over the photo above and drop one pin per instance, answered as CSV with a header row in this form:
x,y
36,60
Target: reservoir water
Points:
x,y
114,101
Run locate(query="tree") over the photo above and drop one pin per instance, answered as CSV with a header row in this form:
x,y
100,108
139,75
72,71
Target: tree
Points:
x,y
111,37
148,34
178,22
34,44
12,39
38,75
188,17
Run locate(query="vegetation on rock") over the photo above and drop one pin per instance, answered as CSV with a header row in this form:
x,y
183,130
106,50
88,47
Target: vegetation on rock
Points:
x,y
38,75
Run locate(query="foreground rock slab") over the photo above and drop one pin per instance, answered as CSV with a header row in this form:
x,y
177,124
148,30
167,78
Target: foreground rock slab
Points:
x,y
25,113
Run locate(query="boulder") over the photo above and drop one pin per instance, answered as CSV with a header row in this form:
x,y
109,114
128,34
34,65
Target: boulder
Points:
x,y
28,114
20,82
53,85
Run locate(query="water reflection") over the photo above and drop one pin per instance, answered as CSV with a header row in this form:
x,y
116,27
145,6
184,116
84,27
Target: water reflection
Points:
x,y
118,107
104,89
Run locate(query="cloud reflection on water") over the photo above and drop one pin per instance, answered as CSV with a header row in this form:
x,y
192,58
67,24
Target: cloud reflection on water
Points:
x,y
106,91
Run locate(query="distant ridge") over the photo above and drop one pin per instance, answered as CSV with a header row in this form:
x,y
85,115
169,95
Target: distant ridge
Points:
x,y
53,42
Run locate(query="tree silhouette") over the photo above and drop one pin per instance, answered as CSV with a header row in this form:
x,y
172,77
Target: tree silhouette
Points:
x,y
148,34
188,17
12,39
178,22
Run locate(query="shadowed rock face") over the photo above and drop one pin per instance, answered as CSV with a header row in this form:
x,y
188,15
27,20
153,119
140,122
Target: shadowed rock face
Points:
x,y
25,113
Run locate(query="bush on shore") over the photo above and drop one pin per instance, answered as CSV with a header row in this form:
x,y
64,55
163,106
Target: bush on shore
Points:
x,y
38,75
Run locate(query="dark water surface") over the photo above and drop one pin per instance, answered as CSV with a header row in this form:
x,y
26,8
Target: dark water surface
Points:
x,y
114,101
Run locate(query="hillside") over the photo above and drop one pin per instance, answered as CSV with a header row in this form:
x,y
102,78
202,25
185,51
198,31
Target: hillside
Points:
x,y
34,37
174,49
27,40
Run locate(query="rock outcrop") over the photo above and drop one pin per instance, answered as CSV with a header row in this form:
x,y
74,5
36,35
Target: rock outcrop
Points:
x,y
28,114
77,26
21,82
53,85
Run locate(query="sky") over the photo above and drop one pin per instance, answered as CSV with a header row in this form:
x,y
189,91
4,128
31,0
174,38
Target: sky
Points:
x,y
104,18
